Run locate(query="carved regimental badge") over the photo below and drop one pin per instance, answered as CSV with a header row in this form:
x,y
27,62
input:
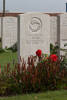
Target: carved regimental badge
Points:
x,y
35,24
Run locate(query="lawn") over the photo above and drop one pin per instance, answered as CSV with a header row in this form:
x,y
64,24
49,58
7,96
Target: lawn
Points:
x,y
8,57
53,95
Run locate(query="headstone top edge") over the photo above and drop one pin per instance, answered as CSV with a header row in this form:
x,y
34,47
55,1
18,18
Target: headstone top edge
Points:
x,y
62,14
34,13
9,17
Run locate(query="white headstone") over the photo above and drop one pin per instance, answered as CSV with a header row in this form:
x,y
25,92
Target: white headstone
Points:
x,y
63,31
9,35
0,27
53,29
33,34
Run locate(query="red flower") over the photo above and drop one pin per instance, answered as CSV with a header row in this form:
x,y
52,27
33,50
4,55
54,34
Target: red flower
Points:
x,y
38,53
53,57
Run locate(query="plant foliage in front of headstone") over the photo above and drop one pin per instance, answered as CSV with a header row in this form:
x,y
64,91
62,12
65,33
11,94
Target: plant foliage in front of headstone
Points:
x,y
64,58
54,49
41,73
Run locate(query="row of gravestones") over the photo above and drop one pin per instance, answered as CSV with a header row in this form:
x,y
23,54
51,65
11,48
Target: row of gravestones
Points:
x,y
33,31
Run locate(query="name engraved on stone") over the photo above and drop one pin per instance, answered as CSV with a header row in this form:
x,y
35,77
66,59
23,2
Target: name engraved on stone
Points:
x,y
11,27
35,40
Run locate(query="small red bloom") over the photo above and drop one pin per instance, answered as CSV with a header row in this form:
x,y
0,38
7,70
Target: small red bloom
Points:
x,y
38,53
53,57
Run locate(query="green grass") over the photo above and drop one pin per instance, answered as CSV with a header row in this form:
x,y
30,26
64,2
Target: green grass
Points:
x,y
8,57
53,95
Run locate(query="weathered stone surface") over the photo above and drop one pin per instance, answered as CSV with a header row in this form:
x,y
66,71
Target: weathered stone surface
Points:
x,y
0,27
33,34
63,26
63,31
9,33
53,29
